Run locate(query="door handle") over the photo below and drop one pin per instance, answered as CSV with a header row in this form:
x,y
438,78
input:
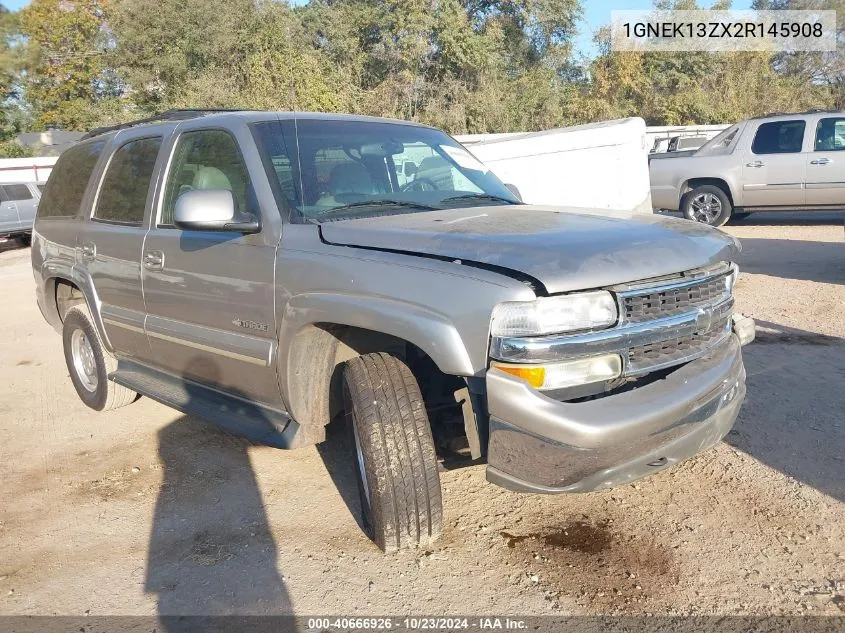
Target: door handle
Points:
x,y
154,260
88,250
756,163
821,161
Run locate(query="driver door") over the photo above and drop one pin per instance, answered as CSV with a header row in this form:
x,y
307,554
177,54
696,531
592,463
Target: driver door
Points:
x,y
210,294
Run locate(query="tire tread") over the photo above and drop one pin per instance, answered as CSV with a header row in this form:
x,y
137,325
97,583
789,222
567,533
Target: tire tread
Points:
x,y
395,434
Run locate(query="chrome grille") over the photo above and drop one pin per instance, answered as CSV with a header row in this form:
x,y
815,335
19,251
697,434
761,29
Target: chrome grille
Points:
x,y
663,322
660,354
683,297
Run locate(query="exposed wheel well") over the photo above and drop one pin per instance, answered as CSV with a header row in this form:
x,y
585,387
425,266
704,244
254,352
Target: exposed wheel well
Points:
x,y
67,295
317,356
692,183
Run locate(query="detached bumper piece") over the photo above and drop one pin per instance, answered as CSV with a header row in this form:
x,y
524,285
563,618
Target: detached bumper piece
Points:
x,y
541,445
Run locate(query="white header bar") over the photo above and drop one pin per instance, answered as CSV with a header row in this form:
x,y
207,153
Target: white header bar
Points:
x,y
722,31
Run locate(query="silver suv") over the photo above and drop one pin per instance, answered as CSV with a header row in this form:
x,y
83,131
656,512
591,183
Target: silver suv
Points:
x,y
18,202
772,163
274,272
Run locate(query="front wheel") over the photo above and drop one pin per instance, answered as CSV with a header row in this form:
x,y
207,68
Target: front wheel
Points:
x,y
707,204
394,453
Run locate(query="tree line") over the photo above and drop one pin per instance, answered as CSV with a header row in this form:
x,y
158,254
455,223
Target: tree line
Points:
x,y
466,66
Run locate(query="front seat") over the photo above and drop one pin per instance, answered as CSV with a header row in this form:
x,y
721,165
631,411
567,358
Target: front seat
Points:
x,y
346,178
211,178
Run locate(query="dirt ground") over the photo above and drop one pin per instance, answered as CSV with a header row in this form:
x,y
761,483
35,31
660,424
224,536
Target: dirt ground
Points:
x,y
143,510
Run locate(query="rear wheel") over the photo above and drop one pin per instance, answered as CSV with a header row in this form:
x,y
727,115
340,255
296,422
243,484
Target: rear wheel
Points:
x,y
707,204
394,452
89,364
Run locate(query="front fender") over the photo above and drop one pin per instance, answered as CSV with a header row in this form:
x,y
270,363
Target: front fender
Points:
x,y
428,330
311,342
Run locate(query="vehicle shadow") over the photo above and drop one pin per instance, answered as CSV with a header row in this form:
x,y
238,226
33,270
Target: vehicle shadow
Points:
x,y
211,550
792,419
337,455
794,259
778,218
12,244
790,218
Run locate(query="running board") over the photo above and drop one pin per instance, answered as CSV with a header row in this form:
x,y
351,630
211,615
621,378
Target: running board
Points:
x,y
257,422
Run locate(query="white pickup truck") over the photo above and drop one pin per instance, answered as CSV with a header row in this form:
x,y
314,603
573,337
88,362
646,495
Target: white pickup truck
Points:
x,y
773,163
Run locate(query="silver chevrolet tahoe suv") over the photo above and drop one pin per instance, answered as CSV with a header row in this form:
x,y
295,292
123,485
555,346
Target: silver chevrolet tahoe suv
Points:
x,y
272,272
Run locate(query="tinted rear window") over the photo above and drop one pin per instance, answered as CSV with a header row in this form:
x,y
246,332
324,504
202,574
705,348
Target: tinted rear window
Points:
x,y
123,194
779,137
66,186
18,192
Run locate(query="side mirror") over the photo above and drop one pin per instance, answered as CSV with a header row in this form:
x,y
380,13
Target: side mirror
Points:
x,y
514,191
410,168
211,210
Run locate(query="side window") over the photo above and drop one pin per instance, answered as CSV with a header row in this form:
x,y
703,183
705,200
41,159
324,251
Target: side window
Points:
x,y
67,183
779,137
123,194
207,159
830,134
18,192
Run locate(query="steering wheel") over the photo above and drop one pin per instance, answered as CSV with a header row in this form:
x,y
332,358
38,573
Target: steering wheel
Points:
x,y
419,184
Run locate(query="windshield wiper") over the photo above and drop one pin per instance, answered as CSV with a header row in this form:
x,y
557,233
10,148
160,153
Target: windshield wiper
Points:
x,y
382,202
480,196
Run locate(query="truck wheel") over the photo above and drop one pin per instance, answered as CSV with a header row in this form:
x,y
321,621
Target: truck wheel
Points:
x,y
707,204
394,452
90,365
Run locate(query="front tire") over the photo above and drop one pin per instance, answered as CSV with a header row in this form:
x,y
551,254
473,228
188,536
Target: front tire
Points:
x,y
90,365
707,204
398,479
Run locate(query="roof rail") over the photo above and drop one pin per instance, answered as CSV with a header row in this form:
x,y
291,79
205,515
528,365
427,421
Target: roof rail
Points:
x,y
810,111
179,114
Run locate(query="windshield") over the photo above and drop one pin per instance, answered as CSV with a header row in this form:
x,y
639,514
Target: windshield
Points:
x,y
721,141
337,169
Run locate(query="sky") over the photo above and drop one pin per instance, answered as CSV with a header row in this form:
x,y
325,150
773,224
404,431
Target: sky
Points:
x,y
596,14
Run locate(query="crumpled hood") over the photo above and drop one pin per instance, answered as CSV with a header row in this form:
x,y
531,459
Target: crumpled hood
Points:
x,y
565,249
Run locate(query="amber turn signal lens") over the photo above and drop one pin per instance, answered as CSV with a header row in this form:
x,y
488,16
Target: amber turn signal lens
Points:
x,y
533,375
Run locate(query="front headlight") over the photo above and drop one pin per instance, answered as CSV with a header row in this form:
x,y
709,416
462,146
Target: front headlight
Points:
x,y
553,315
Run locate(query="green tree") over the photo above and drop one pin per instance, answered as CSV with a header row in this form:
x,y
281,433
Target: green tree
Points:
x,y
66,78
12,55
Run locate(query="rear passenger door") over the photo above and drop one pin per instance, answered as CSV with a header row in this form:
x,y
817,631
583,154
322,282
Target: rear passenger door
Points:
x,y
210,294
25,202
110,244
826,163
8,212
773,167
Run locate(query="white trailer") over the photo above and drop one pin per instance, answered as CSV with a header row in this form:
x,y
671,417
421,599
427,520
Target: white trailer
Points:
x,y
37,169
597,166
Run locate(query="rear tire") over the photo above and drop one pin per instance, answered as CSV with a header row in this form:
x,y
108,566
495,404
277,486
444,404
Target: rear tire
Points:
x,y
90,365
707,204
394,453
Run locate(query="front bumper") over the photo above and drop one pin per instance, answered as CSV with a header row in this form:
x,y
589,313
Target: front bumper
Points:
x,y
537,444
